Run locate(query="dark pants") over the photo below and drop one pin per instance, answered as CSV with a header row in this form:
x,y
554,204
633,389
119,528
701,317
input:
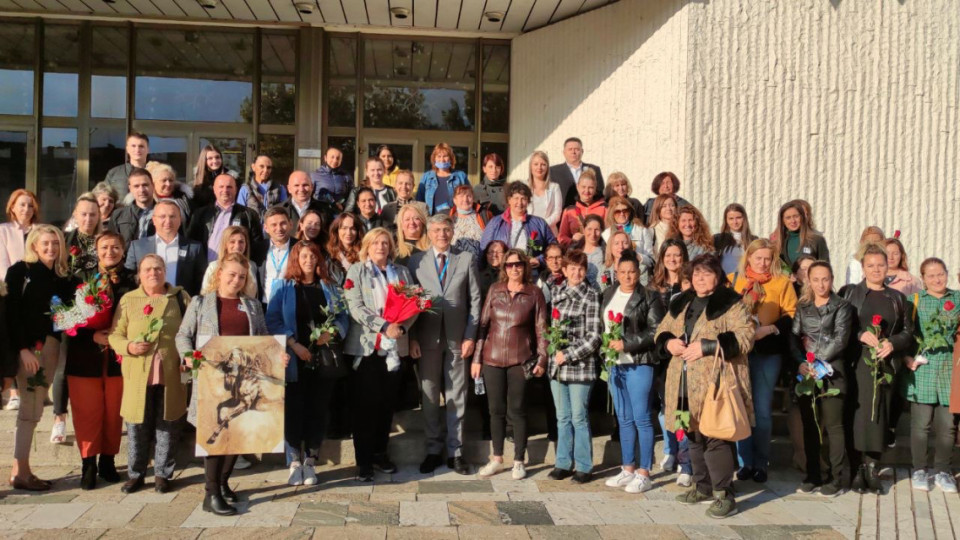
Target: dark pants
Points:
x,y
506,393
305,411
374,393
830,416
163,434
60,391
922,418
339,419
714,462
216,472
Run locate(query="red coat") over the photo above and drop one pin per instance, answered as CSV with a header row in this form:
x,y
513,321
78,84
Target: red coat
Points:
x,y
571,222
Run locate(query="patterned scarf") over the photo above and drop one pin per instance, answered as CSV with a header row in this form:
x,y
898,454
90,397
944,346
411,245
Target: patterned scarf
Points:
x,y
753,292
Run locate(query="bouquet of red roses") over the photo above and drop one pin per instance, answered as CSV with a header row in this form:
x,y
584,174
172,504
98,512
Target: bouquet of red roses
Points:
x,y
403,301
92,307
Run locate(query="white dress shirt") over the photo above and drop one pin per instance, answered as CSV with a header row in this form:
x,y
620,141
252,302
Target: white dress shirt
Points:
x,y
275,267
171,254
575,172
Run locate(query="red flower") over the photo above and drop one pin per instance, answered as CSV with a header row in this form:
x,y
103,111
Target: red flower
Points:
x,y
611,316
80,286
147,309
533,235
556,314
401,284
428,304
896,233
877,320
604,279
348,284
119,358
681,434
810,358
197,354
948,305
90,299
38,345
74,250
619,318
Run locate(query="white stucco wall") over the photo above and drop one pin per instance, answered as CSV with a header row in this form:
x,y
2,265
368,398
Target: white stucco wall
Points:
x,y
850,104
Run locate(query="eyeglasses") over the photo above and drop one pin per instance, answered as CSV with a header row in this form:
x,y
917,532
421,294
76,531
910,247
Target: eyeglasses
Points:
x,y
514,264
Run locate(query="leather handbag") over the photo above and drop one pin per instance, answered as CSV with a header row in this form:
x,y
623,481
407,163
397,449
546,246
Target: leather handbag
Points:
x,y
724,415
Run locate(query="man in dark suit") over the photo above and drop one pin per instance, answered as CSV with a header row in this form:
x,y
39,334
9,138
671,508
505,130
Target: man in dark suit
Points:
x,y
300,188
444,338
186,260
566,174
133,222
209,222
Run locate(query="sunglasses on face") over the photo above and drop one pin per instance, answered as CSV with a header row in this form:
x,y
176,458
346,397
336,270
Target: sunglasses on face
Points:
x,y
513,265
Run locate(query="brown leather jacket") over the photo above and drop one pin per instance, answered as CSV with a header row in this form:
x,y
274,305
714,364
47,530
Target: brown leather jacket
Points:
x,y
513,330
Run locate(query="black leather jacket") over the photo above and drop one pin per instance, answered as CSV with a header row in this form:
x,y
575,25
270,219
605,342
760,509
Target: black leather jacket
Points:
x,y
641,316
900,335
826,331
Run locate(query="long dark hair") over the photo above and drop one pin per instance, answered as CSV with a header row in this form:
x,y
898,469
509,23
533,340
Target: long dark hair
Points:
x,y
725,239
660,272
808,236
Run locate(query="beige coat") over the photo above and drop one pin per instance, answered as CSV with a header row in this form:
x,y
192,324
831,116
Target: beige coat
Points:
x,y
130,322
725,323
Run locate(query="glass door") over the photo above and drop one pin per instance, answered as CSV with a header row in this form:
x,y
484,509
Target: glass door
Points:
x,y
16,160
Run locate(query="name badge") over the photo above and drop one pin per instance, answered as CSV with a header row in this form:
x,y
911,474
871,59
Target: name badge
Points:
x,y
182,252
807,250
236,222
241,308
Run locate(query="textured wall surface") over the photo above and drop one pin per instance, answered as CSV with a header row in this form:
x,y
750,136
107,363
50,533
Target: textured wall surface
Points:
x,y
851,104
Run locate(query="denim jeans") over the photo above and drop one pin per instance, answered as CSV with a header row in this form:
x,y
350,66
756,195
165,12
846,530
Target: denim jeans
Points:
x,y
574,442
632,387
754,451
673,447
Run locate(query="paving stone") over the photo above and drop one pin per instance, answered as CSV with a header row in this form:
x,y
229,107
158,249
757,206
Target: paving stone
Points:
x,y
583,496
424,514
524,513
406,487
620,512
694,532
151,534
780,532
270,514
473,513
514,486
10,515
674,513
108,516
253,533
344,497
392,497
462,486
576,532
422,533
100,496
452,497
632,532
159,515
367,513
148,496
19,497
53,516
57,534
495,532
350,533
320,514
572,513
207,520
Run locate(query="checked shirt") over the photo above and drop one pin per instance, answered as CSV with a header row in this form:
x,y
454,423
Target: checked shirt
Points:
x,y
581,306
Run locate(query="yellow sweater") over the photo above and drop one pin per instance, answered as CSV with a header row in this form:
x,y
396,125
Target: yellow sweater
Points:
x,y
779,298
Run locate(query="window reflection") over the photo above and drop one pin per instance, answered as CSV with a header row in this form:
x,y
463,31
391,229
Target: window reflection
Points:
x,y
13,162
281,150
415,108
108,59
342,88
61,63
107,150
495,109
57,175
16,68
278,90
172,150
194,76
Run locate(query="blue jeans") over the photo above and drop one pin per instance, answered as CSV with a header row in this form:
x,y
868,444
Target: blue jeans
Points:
x,y
754,451
632,387
673,447
574,442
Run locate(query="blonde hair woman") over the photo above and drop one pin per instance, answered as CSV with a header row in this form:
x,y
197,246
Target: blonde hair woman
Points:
x,y
31,284
770,297
235,239
547,201
618,185
870,235
166,186
411,232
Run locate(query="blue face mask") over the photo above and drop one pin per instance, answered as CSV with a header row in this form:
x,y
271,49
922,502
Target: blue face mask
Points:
x,y
442,166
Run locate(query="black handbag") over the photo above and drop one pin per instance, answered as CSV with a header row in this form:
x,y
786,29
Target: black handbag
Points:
x,y
329,360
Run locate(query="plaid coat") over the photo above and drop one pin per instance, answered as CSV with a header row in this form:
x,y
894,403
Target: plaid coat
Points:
x,y
581,306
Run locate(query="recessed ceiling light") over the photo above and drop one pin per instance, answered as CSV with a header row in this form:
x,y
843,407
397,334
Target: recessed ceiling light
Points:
x,y
304,7
109,1
400,12
207,4
493,16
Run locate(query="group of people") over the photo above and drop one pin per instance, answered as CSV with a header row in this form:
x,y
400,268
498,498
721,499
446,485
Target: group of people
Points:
x,y
559,281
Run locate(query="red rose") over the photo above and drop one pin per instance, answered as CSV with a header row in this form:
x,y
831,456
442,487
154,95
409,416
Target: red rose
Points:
x,y
80,286
896,233
90,299
147,309
619,318
428,304
401,284
681,434
197,354
119,358
948,305
348,284
610,315
533,235
810,358
74,250
877,320
604,279
38,345
556,314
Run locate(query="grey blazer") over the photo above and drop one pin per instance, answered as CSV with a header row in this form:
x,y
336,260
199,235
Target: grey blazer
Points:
x,y
457,303
201,320
362,337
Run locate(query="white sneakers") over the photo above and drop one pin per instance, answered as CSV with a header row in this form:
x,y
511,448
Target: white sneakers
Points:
x,y
296,474
309,474
668,463
491,468
519,471
639,484
684,479
620,480
241,464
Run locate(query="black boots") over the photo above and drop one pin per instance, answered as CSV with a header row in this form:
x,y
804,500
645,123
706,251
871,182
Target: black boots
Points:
x,y
88,475
107,469
867,479
214,503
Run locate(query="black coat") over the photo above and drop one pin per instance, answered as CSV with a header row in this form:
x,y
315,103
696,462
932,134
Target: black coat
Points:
x,y
201,224
641,316
85,358
568,187
827,329
30,287
327,211
191,261
125,222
